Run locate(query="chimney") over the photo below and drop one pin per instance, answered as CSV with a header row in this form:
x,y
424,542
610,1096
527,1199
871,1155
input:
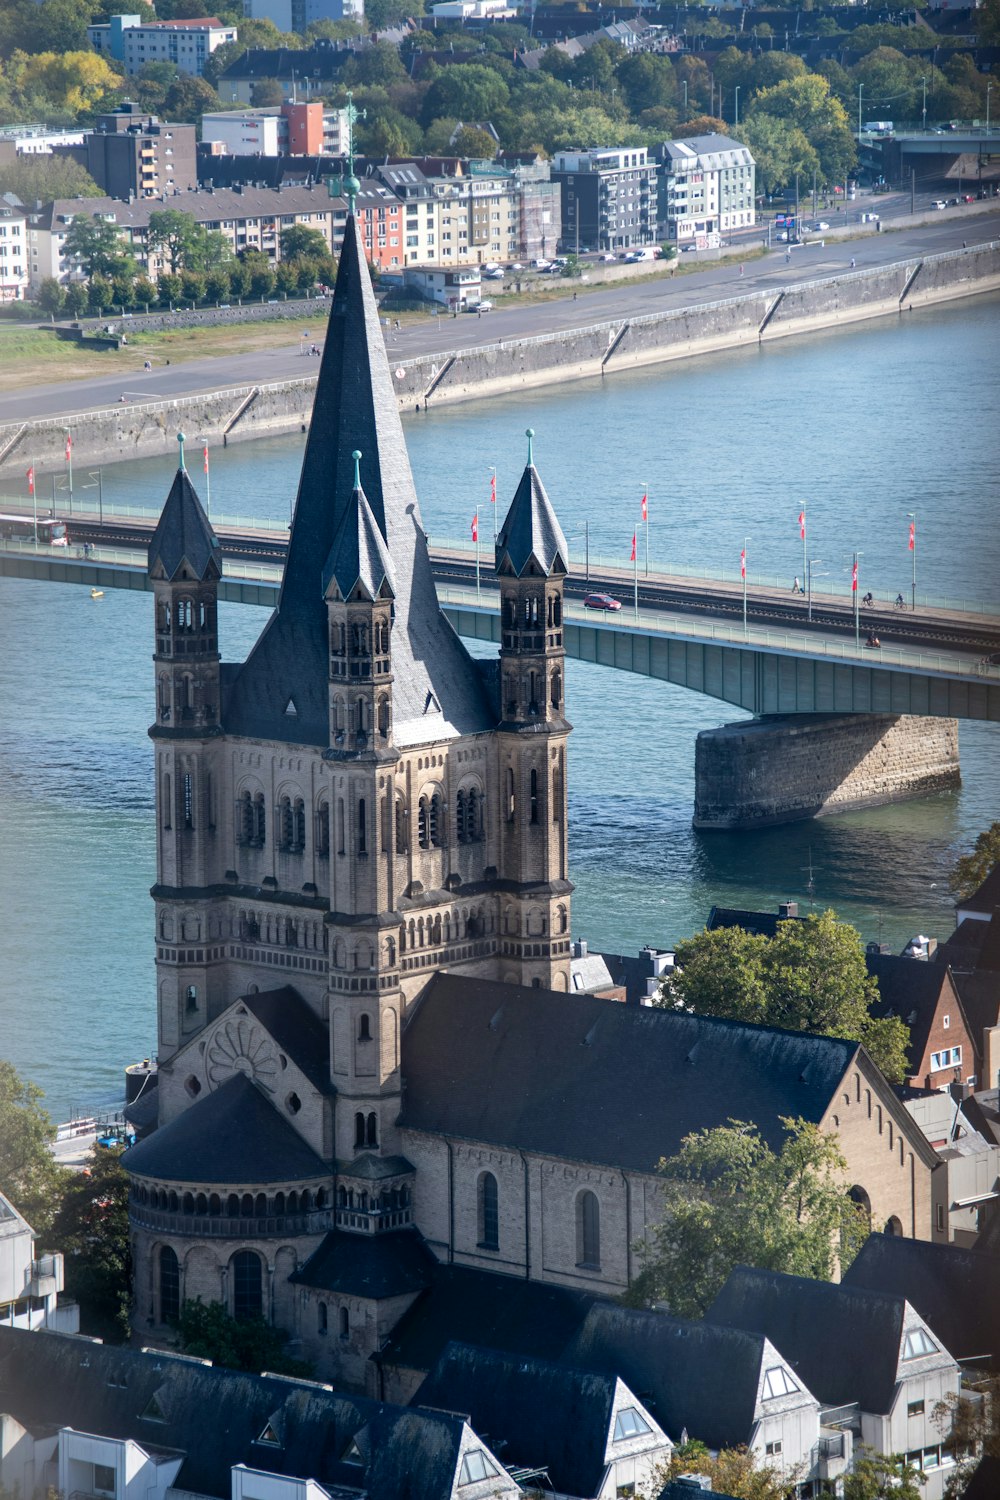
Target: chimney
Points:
x,y
787,909
580,948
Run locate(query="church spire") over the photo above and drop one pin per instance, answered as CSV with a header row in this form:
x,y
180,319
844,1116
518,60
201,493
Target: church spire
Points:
x,y
183,540
359,558
531,534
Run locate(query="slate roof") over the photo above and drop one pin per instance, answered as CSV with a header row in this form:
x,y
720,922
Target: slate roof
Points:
x,y
437,690
184,535
690,1375
953,1289
532,1319
987,897
531,1412
910,988
531,531
314,63
577,1077
359,556
760,923
49,1379
296,1029
232,1137
843,1341
974,946
361,1265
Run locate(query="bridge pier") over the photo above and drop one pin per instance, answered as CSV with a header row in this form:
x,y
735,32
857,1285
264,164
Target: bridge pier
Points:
x,y
783,768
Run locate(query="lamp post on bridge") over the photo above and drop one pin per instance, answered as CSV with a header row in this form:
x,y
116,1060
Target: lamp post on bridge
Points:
x,y
857,601
812,563
911,516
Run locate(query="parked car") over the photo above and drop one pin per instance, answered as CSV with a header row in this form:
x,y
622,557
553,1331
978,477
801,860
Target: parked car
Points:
x,y
939,203
496,275
515,265
541,265
601,601
816,226
606,255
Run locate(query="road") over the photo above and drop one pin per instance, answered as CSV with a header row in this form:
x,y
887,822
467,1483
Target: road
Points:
x,y
777,268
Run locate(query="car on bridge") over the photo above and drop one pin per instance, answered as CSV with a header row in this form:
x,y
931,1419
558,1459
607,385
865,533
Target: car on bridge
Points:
x,y
601,601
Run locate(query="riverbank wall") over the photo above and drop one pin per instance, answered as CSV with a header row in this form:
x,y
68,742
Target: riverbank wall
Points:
x,y
599,349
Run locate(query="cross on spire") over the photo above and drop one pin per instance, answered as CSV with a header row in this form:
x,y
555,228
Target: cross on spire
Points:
x,y
348,186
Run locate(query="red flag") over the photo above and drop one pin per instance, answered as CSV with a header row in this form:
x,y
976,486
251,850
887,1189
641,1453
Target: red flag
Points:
x,y
31,480
645,507
743,563
913,535
802,524
854,577
632,558
69,446
206,458
475,527
493,489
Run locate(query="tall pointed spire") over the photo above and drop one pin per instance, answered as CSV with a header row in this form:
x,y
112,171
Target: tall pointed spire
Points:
x,y
183,537
359,555
531,530
439,688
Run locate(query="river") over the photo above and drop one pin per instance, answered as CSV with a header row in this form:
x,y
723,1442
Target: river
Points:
x,y
861,426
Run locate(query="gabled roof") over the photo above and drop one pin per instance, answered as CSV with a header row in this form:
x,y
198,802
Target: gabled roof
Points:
x,y
911,988
974,947
49,1379
953,1289
986,898
535,1414
183,536
232,1137
531,531
297,1030
358,557
533,1319
374,1266
843,1341
587,1079
690,1375
759,923
437,690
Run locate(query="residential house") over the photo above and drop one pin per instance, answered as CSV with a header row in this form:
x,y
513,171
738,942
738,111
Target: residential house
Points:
x,y
586,1434
854,1347
299,71
282,130
458,288
706,188
608,198
725,1386
943,1048
972,953
380,217
187,44
30,1286
81,1417
14,275
954,1124
131,154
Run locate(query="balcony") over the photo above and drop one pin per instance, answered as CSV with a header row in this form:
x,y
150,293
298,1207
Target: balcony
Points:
x,y
225,1226
373,1220
832,1454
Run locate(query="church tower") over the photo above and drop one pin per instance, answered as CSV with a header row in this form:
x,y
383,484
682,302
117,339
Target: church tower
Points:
x,y
531,563
184,565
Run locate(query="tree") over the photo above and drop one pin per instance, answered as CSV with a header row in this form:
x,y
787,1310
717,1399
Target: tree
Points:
x,y
302,243
29,1174
806,102
207,1331
261,273
76,299
472,93
780,150
471,141
192,286
169,288
972,869
733,1471
100,293
51,298
882,1476
811,976
144,292
91,1229
75,83
43,178
218,286
381,14
173,235
97,245
730,1200
189,98
266,93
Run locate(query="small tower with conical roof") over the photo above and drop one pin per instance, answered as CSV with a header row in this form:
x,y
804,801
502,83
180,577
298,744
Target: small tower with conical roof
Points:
x,y
531,563
184,566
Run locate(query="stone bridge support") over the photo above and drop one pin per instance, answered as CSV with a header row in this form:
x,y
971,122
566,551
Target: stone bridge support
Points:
x,y
780,769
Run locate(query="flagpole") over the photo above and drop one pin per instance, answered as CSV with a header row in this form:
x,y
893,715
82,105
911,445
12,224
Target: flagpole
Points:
x,y
645,492
743,570
34,500
208,485
857,610
912,516
476,528
69,460
802,528
493,499
635,571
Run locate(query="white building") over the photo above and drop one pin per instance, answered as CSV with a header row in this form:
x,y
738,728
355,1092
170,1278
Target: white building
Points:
x,y
279,130
706,187
189,44
14,279
38,140
30,1287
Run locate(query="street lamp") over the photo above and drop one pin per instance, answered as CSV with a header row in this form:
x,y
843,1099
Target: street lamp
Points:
x,y
684,86
812,563
924,111
989,90
911,516
855,587
736,108
860,87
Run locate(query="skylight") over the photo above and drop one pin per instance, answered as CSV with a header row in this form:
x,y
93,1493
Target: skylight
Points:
x,y
476,1466
778,1382
917,1344
629,1424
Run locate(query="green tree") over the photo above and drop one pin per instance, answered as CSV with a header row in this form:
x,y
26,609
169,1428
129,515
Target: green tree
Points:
x,y
471,93
882,1476
471,141
730,1200
780,150
192,286
265,93
144,292
806,103
46,177
30,1177
51,298
261,273
123,287
91,1229
207,1331
97,246
378,65
188,99
733,1471
100,293
218,286
76,299
173,235
811,976
648,80
382,14
286,278
302,243
972,869
170,289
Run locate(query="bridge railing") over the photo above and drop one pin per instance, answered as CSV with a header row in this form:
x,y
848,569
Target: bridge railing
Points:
x,y
755,637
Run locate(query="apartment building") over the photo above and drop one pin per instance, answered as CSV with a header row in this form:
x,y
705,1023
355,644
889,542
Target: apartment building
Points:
x,y
706,187
14,279
459,213
131,154
296,15
608,198
134,42
290,129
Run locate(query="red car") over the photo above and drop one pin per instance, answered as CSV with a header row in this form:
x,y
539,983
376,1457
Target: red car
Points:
x,y
601,601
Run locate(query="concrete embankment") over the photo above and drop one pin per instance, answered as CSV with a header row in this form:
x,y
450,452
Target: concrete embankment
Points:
x,y
235,415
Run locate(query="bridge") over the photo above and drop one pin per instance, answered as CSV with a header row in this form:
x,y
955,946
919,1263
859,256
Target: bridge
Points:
x,y
792,656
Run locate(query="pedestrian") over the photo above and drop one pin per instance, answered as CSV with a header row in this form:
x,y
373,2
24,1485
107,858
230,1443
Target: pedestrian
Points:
x,y
397,325
963,244
788,256
796,585
574,296
741,270
853,262
147,365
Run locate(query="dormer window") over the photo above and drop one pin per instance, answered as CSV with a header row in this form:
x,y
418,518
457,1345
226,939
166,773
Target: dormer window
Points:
x,y
918,1344
777,1383
630,1424
477,1466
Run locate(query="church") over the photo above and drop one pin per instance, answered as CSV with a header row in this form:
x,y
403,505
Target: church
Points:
x,y
371,1062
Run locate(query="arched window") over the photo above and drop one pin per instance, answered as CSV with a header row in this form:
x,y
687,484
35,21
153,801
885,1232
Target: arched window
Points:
x,y
461,830
423,837
245,818
170,1286
248,1285
383,715
434,825
321,1321
371,1131
556,693
284,829
359,1130
362,827
364,1027
400,825
534,797
474,815
185,614
893,1226
167,799
323,830
259,820
588,1230
345,1323
510,794
488,1212
341,847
